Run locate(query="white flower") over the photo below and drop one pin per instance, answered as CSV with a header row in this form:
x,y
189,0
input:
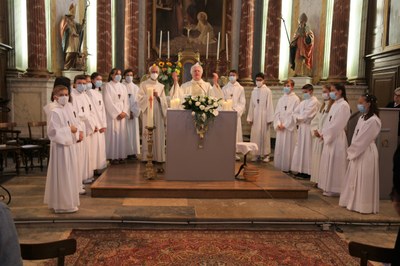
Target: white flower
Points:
x,y
202,107
215,104
204,116
197,103
190,102
210,101
207,108
193,98
215,112
193,113
201,99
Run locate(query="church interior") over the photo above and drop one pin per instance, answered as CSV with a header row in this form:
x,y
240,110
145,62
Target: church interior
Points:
x,y
140,213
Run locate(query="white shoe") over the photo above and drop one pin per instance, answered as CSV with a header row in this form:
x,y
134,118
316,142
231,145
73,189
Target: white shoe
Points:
x,y
266,159
237,158
88,181
82,192
75,209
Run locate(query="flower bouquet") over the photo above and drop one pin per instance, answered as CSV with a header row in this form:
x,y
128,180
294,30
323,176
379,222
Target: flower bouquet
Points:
x,y
166,70
204,110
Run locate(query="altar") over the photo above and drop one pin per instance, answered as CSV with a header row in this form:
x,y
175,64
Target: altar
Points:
x,y
215,161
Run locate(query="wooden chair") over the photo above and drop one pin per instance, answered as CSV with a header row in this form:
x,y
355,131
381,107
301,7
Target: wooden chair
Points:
x,y
43,140
367,252
9,144
57,249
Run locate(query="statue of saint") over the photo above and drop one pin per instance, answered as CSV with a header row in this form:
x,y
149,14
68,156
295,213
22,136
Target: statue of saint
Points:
x,y
301,48
71,36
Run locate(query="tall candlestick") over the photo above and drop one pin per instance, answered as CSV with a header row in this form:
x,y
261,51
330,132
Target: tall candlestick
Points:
x,y
219,37
208,41
159,53
148,45
168,44
150,121
227,53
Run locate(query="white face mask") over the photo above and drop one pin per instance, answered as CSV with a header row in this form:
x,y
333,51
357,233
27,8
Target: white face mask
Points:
x,y
325,96
80,87
232,79
128,79
117,78
259,83
63,100
154,76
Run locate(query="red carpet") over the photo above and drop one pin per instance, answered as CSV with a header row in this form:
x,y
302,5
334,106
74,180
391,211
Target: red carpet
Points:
x,y
201,247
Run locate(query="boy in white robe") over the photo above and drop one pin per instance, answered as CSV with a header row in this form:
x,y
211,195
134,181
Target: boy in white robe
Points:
x,y
132,123
117,110
159,105
360,191
62,190
260,117
303,114
285,127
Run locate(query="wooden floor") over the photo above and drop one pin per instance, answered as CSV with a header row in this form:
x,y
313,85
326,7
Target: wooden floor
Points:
x,y
126,180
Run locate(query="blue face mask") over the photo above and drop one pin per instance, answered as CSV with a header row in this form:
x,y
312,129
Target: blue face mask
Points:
x,y
332,95
306,96
80,87
128,79
98,83
361,108
286,90
117,78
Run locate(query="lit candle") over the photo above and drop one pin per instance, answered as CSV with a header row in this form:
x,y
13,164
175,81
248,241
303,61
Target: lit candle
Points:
x,y
219,37
227,53
150,121
159,53
168,44
208,41
148,45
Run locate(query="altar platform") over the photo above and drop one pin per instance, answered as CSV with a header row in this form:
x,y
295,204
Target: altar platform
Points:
x,y
126,180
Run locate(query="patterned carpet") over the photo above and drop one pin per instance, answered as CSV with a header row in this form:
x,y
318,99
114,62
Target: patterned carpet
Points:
x,y
213,247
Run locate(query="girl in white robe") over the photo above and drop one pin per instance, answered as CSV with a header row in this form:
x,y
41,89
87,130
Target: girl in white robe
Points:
x,y
285,127
117,110
132,123
360,191
316,130
62,190
333,163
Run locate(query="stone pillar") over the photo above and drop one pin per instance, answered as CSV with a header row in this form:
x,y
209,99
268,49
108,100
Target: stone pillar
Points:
x,y
104,37
273,38
246,42
37,57
131,35
340,31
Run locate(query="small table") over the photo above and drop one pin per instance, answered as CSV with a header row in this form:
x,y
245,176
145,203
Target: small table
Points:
x,y
245,148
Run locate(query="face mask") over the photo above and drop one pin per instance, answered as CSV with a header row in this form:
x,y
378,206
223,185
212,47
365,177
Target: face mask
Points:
x,y
117,78
325,96
259,84
154,76
80,88
361,108
232,79
128,79
332,95
98,83
63,100
306,96
88,86
286,90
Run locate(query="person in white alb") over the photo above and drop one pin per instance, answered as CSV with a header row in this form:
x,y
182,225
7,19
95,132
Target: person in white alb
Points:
x,y
234,91
360,190
260,117
285,127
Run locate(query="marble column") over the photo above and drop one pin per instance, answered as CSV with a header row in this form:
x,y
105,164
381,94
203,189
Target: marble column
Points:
x,y
104,37
246,42
131,35
273,38
37,57
339,37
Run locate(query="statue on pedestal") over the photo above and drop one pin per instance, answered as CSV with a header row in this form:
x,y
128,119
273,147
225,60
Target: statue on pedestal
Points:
x,y
301,48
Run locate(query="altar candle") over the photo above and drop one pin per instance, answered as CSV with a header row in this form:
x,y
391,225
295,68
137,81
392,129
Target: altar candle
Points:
x,y
168,43
227,53
148,45
219,37
208,41
150,121
159,53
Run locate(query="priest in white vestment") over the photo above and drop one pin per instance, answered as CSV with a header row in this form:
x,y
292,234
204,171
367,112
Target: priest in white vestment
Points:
x,y
333,164
153,105
132,123
303,114
197,86
360,190
116,102
285,127
99,139
260,117
62,186
316,130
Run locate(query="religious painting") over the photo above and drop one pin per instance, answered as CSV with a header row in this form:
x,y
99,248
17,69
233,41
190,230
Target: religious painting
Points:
x,y
188,24
393,37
